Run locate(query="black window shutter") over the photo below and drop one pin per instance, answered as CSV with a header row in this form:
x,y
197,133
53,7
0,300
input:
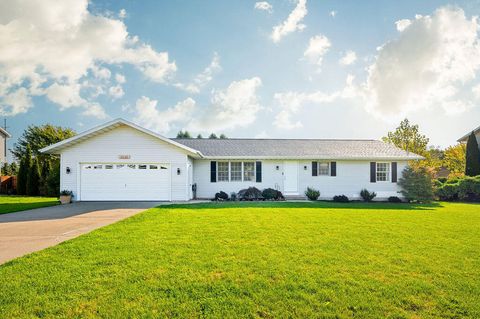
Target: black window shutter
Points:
x,y
213,171
373,172
333,169
314,168
394,172
259,171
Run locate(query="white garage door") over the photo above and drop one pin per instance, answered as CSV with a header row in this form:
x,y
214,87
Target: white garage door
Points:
x,y
121,181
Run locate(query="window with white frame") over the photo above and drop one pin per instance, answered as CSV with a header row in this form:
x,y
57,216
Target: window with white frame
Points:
x,y
236,171
383,172
323,168
223,171
248,171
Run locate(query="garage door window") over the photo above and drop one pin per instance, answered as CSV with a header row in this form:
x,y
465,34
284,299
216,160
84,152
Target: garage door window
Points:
x,y
142,166
153,167
108,166
87,167
131,166
119,166
97,167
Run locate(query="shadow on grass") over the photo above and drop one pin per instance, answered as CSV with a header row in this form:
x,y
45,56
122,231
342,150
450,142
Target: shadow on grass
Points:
x,y
308,204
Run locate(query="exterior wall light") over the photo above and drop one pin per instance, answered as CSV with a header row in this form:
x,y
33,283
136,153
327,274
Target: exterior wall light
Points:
x,y
305,167
277,167
178,171
68,170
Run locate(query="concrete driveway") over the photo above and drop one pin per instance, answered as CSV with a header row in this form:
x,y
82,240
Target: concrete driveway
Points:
x,y
31,230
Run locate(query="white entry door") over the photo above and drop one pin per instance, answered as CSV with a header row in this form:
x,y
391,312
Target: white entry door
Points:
x,y
125,182
290,170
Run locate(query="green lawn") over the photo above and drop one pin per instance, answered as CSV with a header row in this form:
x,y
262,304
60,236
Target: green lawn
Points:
x,y
265,260
10,204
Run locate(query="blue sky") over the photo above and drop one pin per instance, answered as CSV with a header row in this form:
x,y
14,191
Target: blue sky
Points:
x,y
79,64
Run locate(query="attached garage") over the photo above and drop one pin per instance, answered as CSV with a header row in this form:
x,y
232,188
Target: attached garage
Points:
x,y
121,161
125,181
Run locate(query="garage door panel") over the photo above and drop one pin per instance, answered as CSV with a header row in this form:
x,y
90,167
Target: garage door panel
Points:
x,y
122,181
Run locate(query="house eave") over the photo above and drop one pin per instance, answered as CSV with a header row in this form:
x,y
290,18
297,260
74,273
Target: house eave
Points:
x,y
57,147
312,157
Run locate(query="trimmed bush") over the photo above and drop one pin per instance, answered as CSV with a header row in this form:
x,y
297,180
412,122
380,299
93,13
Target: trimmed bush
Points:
x,y
448,192
367,196
394,199
251,193
233,196
312,193
469,189
272,194
340,199
416,184
221,196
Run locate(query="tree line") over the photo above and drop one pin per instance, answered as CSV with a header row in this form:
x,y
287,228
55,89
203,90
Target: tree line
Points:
x,y
38,173
186,134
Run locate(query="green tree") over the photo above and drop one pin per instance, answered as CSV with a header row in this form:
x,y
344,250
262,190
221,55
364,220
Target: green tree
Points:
x,y
33,178
183,134
408,137
416,184
44,172
24,170
39,137
53,180
472,157
454,159
13,169
223,136
213,136
199,136
5,169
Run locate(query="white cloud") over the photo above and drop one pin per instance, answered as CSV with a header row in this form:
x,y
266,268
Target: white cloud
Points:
x,y
264,6
65,95
62,42
293,22
333,13
203,78
318,46
120,78
148,115
116,92
237,106
95,110
427,65
349,58
402,24
291,102
122,13
16,102
476,91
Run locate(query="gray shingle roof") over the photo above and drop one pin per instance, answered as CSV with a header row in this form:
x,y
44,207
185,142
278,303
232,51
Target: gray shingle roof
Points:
x,y
297,148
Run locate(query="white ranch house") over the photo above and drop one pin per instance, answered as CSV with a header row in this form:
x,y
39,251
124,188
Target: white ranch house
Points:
x,y
120,160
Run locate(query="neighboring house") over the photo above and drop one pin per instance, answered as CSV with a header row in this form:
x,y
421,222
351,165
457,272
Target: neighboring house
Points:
x,y
464,138
123,161
3,145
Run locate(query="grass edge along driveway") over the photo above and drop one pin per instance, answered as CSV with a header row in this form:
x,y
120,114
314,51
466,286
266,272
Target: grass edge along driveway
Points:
x,y
259,260
12,203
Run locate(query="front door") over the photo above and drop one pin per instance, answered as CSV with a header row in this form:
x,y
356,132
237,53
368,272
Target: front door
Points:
x,y
290,170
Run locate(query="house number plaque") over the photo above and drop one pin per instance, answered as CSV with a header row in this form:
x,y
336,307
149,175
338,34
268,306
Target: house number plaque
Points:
x,y
124,156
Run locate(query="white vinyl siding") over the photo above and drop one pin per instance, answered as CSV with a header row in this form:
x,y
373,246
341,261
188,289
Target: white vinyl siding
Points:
x,y
351,177
106,148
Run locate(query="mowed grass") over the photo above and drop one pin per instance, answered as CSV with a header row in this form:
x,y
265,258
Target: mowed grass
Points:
x,y
267,260
10,204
